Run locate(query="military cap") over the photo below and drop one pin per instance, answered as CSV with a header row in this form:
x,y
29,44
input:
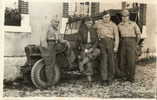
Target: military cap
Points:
x,y
125,13
106,14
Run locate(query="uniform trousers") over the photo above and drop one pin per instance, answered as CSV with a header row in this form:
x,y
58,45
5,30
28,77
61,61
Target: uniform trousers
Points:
x,y
128,57
49,56
107,62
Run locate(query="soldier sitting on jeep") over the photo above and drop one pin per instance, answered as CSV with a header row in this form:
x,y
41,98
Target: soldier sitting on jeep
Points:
x,y
89,50
48,49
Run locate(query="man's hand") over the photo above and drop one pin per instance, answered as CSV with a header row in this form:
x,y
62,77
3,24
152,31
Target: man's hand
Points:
x,y
44,44
66,42
115,50
90,50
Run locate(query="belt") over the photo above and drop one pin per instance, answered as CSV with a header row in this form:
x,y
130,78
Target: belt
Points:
x,y
50,40
122,38
108,38
103,36
84,43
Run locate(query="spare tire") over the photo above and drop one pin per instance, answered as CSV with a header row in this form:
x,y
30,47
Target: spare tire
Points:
x,y
38,76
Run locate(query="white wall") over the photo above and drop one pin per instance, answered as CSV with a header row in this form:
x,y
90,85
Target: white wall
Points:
x,y
151,24
40,15
106,6
14,43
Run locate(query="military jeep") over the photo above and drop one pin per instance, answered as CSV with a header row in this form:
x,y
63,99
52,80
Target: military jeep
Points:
x,y
33,69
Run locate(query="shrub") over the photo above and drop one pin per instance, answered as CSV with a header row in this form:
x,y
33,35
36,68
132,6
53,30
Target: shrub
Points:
x,y
12,17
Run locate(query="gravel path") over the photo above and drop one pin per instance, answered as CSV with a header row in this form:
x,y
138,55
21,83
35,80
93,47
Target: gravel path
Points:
x,y
75,86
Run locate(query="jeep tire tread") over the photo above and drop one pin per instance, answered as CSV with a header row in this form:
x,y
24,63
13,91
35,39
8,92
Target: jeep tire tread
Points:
x,y
38,76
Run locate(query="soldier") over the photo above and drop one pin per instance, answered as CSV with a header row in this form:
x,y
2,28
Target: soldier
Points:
x,y
130,36
109,40
48,50
89,41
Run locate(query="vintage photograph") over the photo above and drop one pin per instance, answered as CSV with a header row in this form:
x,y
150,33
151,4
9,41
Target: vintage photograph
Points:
x,y
80,49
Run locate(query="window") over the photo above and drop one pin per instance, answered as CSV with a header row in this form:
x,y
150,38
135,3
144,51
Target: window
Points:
x,y
81,9
12,14
95,8
23,7
17,17
65,9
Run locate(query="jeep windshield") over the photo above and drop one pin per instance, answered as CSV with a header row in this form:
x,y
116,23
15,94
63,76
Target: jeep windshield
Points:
x,y
72,26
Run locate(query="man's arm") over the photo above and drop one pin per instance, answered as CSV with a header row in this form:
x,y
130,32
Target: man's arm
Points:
x,y
96,39
97,26
82,31
137,32
95,42
116,37
43,40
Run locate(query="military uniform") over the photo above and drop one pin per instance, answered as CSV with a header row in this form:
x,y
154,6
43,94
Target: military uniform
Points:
x,y
109,39
88,40
48,52
130,34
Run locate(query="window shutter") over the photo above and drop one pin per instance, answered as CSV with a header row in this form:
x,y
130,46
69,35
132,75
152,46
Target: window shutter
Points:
x,y
65,9
143,13
23,7
94,8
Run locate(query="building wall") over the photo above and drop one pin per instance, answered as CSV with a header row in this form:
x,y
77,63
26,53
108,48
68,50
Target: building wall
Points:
x,y
106,6
40,15
151,24
15,42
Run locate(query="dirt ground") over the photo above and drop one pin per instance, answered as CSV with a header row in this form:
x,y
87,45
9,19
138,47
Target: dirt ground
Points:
x,y
76,86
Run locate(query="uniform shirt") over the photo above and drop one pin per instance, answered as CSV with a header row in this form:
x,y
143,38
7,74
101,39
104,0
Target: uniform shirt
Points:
x,y
52,33
129,29
88,35
108,30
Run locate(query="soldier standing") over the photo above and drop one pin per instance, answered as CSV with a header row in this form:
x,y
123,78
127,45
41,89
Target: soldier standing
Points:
x,y
109,41
130,35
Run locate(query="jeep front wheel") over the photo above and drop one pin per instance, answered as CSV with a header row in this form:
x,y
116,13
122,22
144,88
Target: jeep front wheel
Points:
x,y
38,76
